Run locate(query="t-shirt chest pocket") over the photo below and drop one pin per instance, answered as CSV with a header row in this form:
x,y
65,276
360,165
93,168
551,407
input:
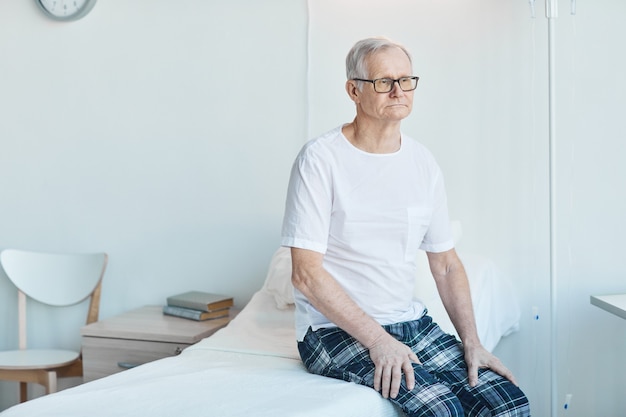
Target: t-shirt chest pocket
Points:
x,y
418,219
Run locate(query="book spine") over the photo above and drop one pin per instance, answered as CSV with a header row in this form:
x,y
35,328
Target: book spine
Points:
x,y
187,304
193,305
182,312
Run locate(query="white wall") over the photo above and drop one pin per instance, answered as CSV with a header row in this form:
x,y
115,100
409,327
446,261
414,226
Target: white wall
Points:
x,y
160,132
591,204
132,132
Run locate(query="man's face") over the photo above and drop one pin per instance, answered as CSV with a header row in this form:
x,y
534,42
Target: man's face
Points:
x,y
394,105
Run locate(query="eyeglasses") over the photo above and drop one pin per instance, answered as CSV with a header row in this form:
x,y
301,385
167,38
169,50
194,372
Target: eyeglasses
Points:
x,y
385,85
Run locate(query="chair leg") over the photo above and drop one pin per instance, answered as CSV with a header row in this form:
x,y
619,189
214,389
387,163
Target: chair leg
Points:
x,y
51,382
23,392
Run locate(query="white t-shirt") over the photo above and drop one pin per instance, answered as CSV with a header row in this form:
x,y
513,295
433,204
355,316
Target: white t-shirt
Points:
x,y
368,214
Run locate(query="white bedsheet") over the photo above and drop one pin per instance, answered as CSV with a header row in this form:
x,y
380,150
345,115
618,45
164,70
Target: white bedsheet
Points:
x,y
211,383
261,328
249,368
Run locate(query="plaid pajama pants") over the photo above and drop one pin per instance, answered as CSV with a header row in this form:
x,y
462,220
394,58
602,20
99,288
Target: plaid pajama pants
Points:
x,y
441,385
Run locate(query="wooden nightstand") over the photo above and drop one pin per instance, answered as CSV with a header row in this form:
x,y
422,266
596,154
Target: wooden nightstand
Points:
x,y
140,336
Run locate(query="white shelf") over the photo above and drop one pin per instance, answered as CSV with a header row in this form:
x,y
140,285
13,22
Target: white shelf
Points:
x,y
615,303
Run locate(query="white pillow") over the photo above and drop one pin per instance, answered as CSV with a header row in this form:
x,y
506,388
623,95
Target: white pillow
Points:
x,y
496,309
278,279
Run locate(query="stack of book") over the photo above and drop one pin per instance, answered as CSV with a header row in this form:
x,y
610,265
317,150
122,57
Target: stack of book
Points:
x,y
198,305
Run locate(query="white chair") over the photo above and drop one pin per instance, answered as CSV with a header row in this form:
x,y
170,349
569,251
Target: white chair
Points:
x,y
54,280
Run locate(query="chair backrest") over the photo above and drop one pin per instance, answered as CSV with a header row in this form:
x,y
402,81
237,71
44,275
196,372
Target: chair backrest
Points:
x,y
54,279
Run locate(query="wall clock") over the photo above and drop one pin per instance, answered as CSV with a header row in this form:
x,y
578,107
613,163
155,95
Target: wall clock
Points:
x,y
66,10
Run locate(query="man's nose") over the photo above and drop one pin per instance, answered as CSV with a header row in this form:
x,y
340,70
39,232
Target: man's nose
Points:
x,y
396,89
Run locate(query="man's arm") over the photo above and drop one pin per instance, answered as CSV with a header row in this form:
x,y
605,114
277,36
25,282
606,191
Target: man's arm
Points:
x,y
391,357
454,290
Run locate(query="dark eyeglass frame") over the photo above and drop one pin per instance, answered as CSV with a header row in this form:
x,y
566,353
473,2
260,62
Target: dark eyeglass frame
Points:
x,y
392,82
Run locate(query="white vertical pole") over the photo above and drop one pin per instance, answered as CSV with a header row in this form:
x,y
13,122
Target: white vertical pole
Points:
x,y
308,74
552,14
21,313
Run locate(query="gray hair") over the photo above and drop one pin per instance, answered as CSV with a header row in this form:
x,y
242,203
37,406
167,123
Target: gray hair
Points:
x,y
356,65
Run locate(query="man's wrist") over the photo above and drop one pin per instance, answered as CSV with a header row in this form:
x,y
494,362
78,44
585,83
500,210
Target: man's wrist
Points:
x,y
375,337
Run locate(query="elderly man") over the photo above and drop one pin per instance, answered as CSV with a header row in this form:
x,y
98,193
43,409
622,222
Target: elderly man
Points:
x,y
362,199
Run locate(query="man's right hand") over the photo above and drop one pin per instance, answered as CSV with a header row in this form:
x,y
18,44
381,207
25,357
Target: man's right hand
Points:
x,y
392,359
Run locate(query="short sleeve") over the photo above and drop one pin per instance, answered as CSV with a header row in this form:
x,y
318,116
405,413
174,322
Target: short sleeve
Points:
x,y
308,205
438,237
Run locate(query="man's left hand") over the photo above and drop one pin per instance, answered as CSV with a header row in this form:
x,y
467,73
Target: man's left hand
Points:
x,y
478,357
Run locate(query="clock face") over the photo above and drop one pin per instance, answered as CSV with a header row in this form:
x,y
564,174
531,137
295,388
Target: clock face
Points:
x,y
66,9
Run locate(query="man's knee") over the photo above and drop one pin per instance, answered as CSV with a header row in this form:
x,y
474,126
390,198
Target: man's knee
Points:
x,y
449,407
444,405
512,402
517,407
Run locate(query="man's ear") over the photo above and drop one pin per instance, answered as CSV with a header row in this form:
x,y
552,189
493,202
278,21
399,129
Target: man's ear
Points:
x,y
353,91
